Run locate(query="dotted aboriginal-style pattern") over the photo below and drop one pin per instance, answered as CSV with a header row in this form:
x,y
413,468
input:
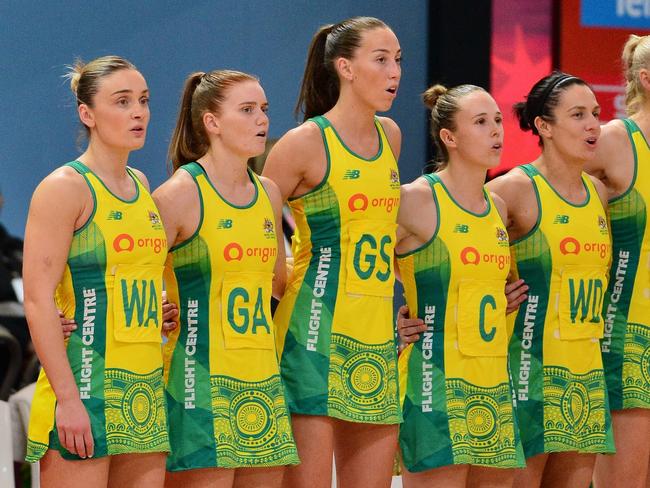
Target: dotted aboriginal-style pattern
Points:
x,y
481,424
363,381
251,423
636,367
575,416
136,420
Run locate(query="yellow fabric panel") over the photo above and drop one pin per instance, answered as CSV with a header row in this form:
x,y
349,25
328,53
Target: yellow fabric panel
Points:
x,y
640,301
478,253
252,253
579,243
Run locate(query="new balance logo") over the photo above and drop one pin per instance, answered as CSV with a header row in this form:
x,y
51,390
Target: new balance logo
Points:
x,y
114,215
224,224
351,174
461,228
561,219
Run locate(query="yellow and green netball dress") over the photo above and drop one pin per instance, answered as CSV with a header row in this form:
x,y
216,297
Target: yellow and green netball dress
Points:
x,y
457,397
555,360
626,342
111,286
226,401
335,322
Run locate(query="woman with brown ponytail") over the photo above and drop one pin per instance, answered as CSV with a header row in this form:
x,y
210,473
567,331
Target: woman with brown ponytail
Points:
x,y
229,425
622,162
338,170
459,428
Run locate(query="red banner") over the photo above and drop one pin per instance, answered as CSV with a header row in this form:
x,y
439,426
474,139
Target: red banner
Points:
x,y
521,55
594,53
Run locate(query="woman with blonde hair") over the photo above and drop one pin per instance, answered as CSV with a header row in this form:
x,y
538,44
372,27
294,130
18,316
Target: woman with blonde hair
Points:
x,y
622,162
95,247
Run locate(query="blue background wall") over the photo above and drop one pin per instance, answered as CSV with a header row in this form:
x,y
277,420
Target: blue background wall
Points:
x,y
168,40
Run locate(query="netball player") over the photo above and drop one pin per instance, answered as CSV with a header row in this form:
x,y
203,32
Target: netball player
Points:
x,y
229,424
95,247
453,258
561,246
622,163
338,171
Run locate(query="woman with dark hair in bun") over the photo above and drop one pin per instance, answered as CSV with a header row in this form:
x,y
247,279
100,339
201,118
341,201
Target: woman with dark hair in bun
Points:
x,y
622,163
453,259
561,246
338,170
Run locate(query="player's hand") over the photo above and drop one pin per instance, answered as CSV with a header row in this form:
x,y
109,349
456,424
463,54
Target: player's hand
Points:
x,y
169,315
409,330
515,294
68,325
73,426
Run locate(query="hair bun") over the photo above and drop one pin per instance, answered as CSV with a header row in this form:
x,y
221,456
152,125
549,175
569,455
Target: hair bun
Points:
x,y
74,75
431,95
521,113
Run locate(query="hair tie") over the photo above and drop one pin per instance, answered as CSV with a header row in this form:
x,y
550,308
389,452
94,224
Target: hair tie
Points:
x,y
539,108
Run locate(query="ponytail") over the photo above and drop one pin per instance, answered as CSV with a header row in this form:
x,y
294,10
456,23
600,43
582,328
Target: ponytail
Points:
x,y
636,56
202,92
186,144
320,87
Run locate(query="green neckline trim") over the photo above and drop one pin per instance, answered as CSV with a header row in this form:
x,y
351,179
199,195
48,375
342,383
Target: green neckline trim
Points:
x,y
380,151
437,178
239,207
86,169
534,172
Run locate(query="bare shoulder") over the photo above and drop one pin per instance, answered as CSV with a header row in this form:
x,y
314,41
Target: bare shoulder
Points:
x,y
511,186
297,162
613,139
613,143
295,152
416,191
501,206
271,189
63,182
141,176
63,198
613,162
179,205
415,197
614,129
300,142
520,209
179,188
393,133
